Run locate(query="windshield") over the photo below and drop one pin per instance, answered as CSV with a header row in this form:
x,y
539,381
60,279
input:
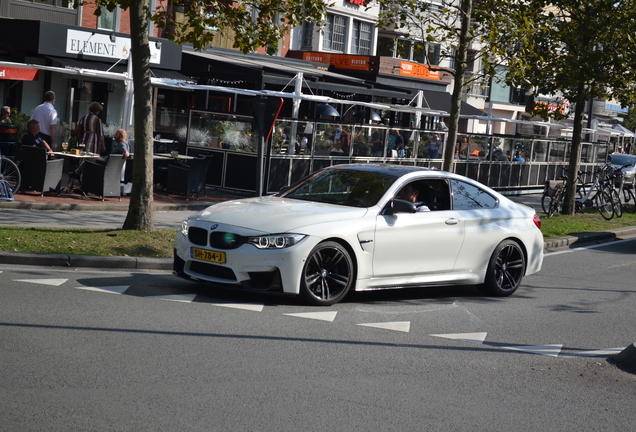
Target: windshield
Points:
x,y
349,187
622,160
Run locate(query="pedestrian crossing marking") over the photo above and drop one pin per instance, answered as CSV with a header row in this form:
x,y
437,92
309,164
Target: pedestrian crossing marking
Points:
x,y
245,306
322,316
106,289
51,282
401,326
467,337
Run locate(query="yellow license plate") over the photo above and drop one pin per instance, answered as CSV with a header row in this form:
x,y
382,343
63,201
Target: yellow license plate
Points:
x,y
208,255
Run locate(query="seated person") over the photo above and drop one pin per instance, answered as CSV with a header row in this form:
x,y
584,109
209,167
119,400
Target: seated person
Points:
x,y
410,193
120,146
32,137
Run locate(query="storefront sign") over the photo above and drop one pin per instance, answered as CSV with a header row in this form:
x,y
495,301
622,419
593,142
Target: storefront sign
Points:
x,y
18,74
417,70
339,61
83,43
358,2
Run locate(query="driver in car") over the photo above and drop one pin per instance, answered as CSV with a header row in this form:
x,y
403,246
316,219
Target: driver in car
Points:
x,y
411,193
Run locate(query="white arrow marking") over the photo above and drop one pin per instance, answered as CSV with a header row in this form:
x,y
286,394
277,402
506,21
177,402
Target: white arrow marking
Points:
x,y
52,282
108,289
402,326
245,306
184,298
468,337
549,350
603,352
322,316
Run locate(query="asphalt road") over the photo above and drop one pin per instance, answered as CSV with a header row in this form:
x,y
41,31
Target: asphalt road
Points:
x,y
168,355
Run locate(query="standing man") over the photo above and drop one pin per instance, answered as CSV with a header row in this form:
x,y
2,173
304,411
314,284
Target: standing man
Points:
x,y
47,116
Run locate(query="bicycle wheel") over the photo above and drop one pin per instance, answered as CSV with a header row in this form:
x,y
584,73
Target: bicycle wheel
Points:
x,y
618,206
9,171
629,201
556,204
604,205
546,200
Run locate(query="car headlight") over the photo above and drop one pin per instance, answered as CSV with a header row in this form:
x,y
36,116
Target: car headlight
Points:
x,y
184,227
275,241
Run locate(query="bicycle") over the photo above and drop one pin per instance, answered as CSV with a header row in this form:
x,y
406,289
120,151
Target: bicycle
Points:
x,y
10,172
626,194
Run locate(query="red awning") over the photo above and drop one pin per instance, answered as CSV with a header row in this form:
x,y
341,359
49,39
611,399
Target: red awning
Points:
x,y
19,74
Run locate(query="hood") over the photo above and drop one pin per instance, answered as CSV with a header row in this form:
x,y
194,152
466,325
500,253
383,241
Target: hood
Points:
x,y
273,214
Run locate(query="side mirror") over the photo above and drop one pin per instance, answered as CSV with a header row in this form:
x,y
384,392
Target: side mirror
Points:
x,y
398,206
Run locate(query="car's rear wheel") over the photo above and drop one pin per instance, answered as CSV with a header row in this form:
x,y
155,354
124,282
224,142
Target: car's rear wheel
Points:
x,y
328,274
505,270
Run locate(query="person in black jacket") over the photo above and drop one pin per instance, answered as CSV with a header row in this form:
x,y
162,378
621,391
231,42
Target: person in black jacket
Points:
x,y
32,137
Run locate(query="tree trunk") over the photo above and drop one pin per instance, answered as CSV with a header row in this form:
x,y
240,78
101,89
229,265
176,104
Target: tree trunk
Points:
x,y
569,204
461,58
140,215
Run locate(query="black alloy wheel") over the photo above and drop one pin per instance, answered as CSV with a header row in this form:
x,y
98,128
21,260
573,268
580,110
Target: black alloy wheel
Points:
x,y
328,274
505,270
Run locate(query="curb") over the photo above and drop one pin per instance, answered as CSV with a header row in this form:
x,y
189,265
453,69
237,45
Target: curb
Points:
x,y
22,205
91,261
586,239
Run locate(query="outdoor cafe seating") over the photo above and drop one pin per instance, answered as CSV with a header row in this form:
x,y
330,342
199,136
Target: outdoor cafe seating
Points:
x,y
103,180
39,173
188,178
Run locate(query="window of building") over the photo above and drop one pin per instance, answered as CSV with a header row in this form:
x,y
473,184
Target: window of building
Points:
x,y
307,35
403,49
106,21
68,4
335,33
361,38
433,54
386,46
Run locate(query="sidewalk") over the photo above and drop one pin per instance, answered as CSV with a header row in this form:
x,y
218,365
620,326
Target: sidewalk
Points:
x,y
169,210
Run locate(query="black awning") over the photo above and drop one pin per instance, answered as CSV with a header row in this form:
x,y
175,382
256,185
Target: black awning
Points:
x,y
441,101
115,68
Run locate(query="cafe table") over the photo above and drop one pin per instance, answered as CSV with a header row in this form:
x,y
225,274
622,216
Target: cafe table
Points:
x,y
75,160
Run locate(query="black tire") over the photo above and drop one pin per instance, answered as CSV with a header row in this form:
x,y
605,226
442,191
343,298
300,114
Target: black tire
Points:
x,y
328,274
618,206
604,205
629,201
546,200
505,271
11,173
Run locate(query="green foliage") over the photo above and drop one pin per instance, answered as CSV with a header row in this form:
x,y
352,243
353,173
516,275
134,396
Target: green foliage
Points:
x,y
19,119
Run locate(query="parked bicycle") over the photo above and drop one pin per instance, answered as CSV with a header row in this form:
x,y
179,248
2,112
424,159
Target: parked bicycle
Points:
x,y
10,172
596,196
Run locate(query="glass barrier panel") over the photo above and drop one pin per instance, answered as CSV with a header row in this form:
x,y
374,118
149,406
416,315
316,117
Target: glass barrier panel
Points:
x,y
218,130
292,138
556,151
539,151
369,141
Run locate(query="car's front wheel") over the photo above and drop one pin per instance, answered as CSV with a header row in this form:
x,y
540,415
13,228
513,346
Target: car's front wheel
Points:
x,y
328,274
505,270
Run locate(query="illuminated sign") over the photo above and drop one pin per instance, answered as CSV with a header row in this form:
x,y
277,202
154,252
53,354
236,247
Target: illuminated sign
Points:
x,y
417,70
340,61
358,2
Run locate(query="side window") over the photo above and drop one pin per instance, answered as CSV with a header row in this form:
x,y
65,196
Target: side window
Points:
x,y
469,197
431,194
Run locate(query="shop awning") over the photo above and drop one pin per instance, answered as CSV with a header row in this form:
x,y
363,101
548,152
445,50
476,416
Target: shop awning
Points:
x,y
18,74
119,68
280,70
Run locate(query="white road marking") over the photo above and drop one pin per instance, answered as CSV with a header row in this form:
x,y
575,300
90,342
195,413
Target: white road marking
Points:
x,y
322,316
548,350
602,352
184,298
468,337
106,289
52,282
245,306
401,326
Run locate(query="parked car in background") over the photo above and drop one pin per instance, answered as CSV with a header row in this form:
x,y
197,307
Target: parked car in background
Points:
x,y
364,227
628,162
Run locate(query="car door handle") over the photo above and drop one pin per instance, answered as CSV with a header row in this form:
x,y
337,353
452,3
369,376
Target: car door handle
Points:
x,y
452,221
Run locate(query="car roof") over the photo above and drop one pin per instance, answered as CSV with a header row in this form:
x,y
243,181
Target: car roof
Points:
x,y
380,168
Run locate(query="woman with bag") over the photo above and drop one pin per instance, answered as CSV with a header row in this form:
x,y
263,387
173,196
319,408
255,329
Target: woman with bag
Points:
x,y
93,130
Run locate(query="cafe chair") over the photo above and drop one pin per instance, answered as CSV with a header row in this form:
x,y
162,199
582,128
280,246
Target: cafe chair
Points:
x,y
188,178
39,173
103,179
